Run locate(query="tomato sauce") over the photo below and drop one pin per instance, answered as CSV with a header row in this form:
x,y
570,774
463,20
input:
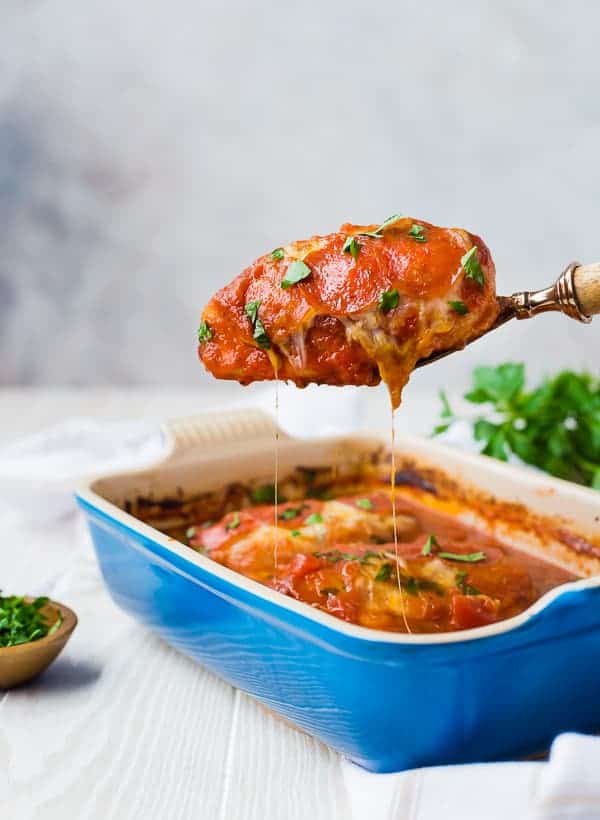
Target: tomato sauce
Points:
x,y
339,555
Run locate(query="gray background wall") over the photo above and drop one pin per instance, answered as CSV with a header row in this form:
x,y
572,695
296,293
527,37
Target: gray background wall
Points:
x,y
149,149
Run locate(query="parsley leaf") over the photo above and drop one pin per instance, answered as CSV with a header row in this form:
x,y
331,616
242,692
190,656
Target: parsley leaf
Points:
x,y
447,416
296,272
234,523
459,307
418,233
472,266
364,503
278,253
447,412
415,585
387,223
463,585
429,545
264,494
499,385
385,572
290,513
352,247
252,310
295,533
336,555
205,334
260,334
469,558
389,300
315,518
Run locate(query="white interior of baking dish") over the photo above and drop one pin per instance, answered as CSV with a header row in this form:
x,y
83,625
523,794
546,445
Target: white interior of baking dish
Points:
x,y
207,452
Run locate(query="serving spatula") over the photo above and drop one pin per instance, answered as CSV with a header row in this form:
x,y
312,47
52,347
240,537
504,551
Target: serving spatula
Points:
x,y
575,293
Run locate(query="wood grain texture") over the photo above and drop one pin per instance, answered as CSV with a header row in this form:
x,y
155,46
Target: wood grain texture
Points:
x,y
122,726
311,772
587,287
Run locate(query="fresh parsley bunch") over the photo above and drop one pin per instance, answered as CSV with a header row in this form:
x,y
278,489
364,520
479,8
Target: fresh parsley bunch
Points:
x,y
555,426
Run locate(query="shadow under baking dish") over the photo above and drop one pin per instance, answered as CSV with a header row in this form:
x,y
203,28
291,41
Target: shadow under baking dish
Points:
x,y
388,701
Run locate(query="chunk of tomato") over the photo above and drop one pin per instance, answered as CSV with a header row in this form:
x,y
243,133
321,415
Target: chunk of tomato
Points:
x,y
468,611
302,564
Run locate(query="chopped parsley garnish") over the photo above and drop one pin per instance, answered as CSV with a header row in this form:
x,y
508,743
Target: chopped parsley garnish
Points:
x,y
291,512
387,223
315,518
337,555
366,556
364,503
469,557
296,272
296,533
252,310
323,495
429,545
260,334
264,494
459,307
234,523
389,300
463,585
278,253
418,233
205,334
472,266
385,572
22,622
352,247
190,532
415,585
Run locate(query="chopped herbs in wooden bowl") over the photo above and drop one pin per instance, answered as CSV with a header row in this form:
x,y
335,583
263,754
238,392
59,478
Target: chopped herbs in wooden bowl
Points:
x,y
23,620
33,632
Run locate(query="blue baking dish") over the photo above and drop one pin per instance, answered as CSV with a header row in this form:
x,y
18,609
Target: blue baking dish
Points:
x,y
389,702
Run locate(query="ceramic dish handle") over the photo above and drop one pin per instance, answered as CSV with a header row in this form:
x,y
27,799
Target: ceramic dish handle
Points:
x,y
213,429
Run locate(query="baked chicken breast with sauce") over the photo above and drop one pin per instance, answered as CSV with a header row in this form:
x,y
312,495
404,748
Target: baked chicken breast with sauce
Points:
x,y
354,307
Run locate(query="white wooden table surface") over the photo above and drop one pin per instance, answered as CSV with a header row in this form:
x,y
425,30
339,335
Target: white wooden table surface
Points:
x,y
122,726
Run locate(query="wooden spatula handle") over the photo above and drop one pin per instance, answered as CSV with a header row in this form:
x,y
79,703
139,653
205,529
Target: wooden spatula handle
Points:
x,y
586,279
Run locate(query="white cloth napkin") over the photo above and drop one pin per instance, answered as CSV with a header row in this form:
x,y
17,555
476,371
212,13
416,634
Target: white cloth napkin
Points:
x,y
567,787
39,473
37,477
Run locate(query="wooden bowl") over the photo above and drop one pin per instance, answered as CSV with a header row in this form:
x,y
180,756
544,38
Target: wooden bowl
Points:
x,y
19,664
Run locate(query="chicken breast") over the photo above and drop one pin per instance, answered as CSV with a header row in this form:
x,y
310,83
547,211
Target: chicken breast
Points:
x,y
354,307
